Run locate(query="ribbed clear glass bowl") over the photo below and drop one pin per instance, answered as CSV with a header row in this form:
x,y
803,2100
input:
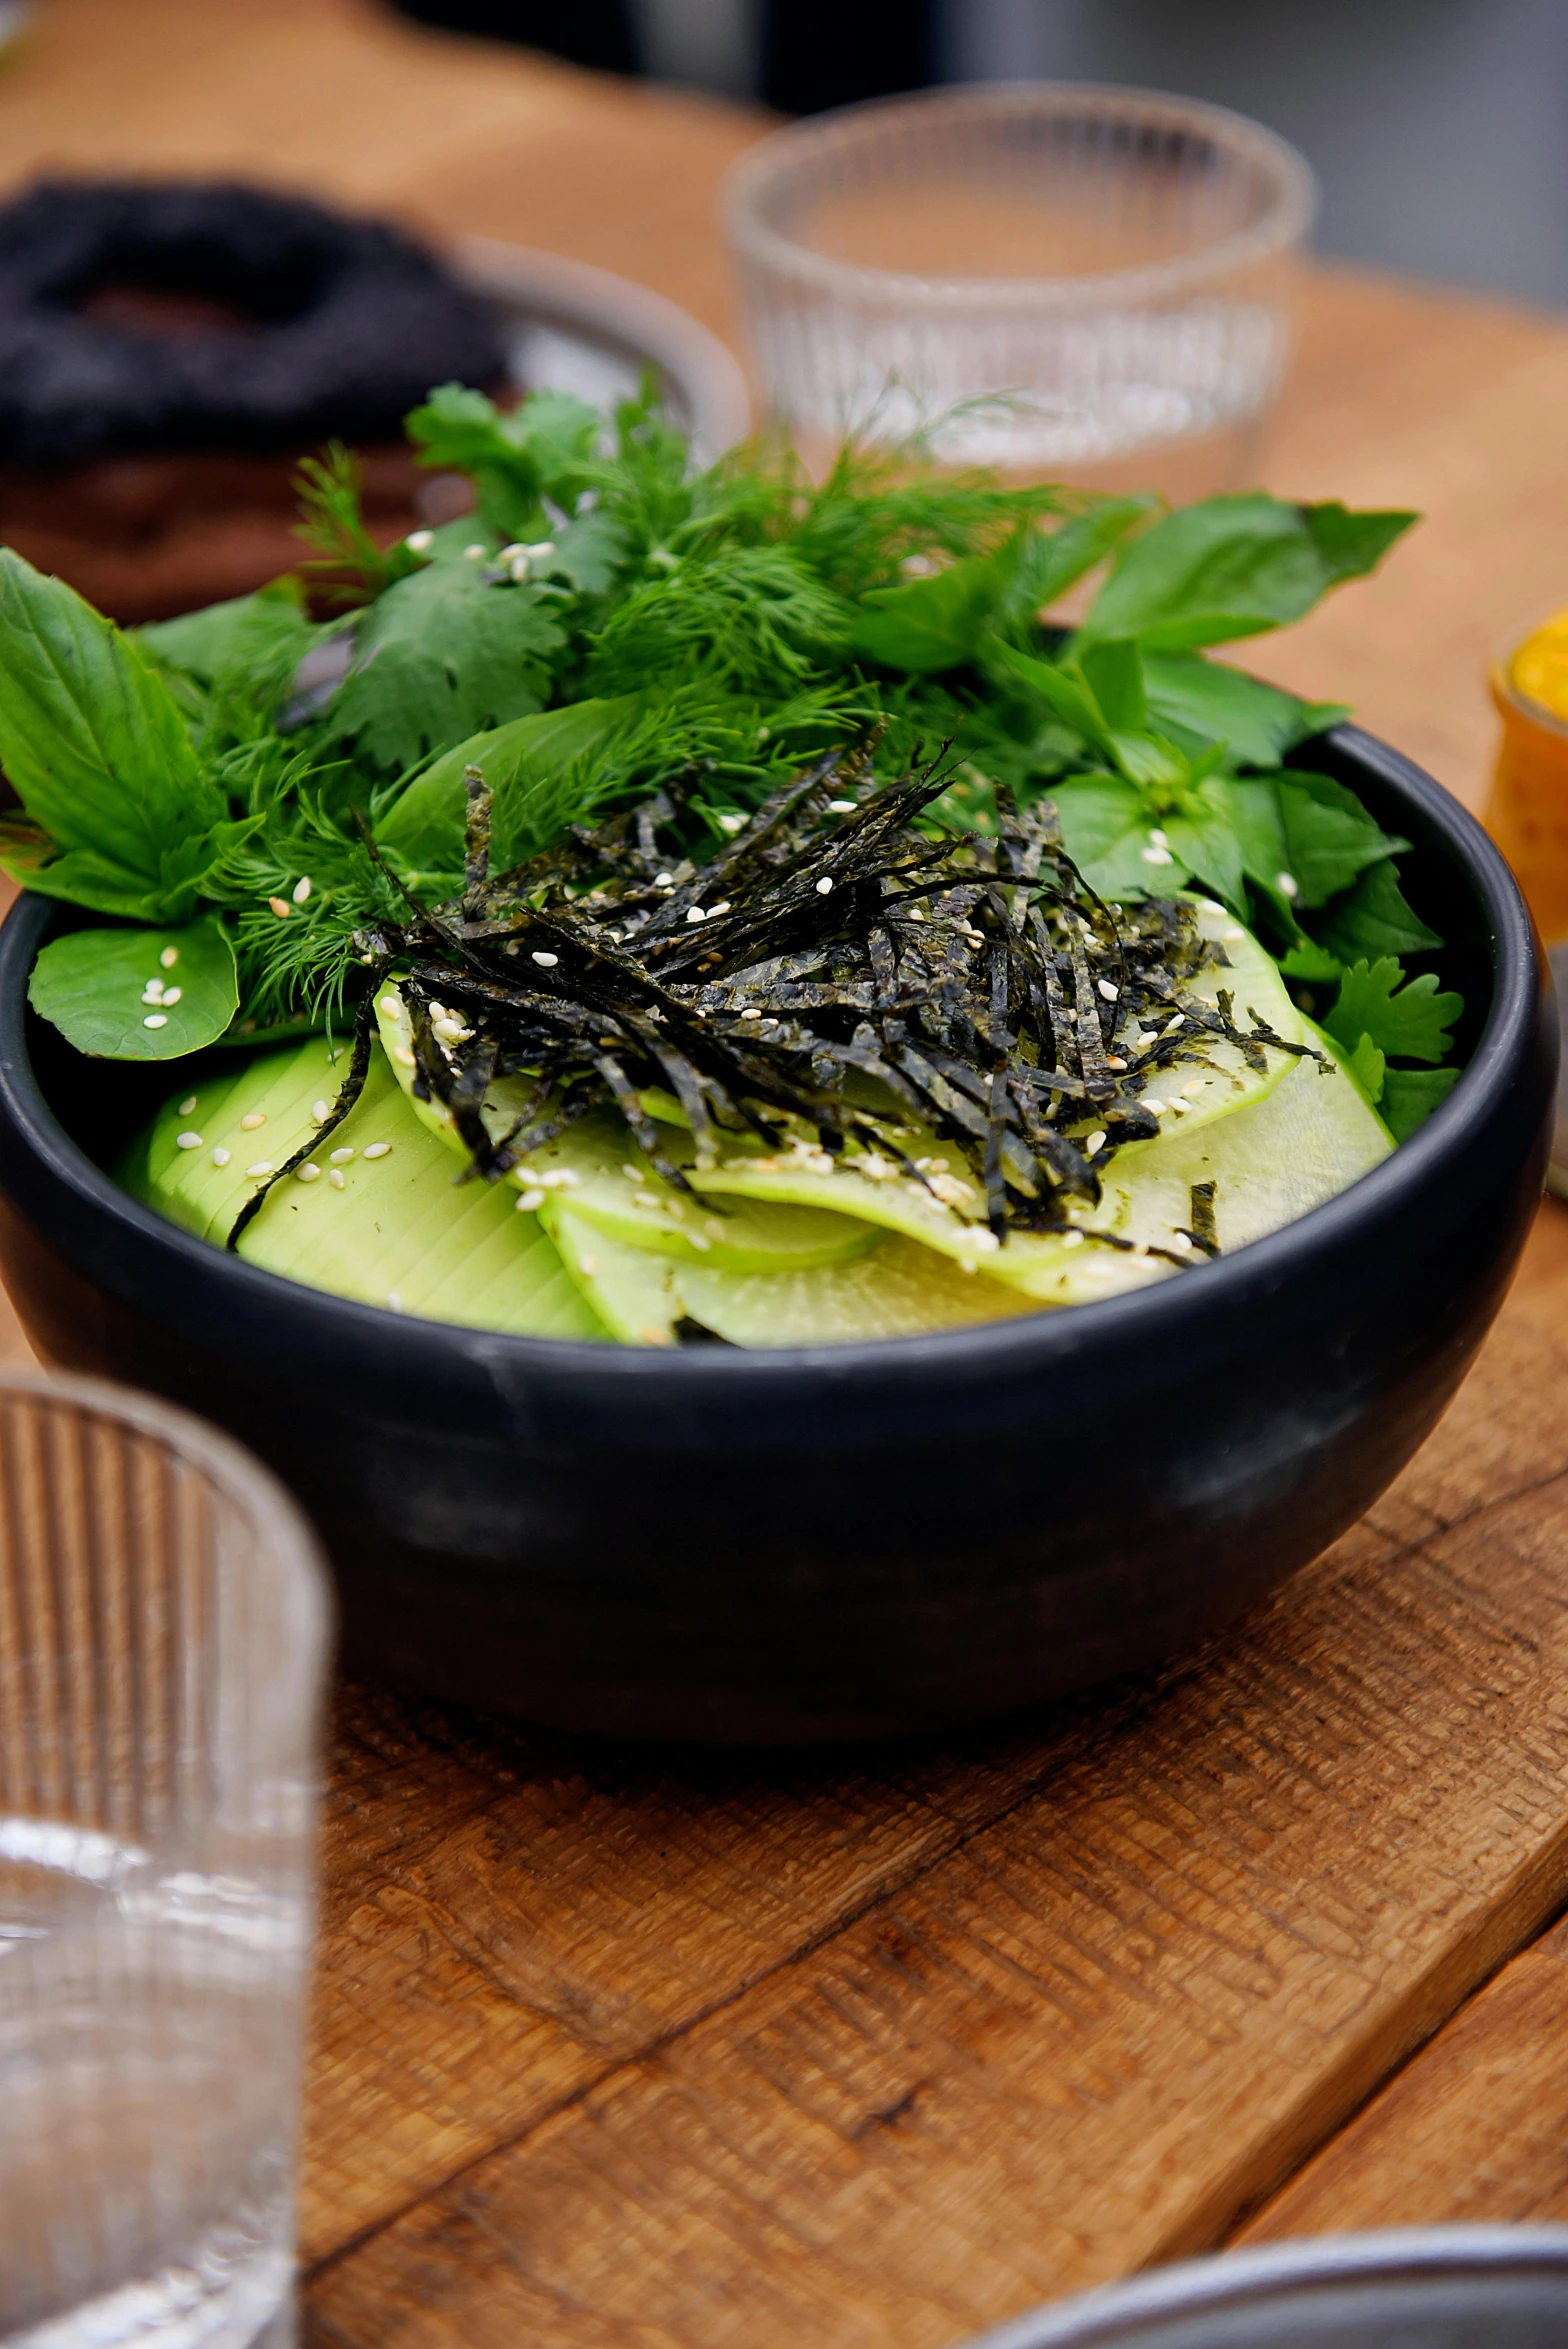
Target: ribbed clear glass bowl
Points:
x,y
1066,281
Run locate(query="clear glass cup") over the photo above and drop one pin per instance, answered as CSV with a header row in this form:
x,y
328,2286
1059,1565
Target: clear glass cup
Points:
x,y
163,1629
1063,281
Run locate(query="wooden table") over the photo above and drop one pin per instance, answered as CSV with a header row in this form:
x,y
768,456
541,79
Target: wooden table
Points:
x,y
617,2050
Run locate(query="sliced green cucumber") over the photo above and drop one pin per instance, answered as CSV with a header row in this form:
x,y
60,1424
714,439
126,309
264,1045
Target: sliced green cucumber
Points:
x,y
898,1291
1309,1140
400,1231
613,1186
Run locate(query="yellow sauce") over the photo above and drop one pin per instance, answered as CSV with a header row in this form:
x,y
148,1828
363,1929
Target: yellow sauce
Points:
x,y
1527,814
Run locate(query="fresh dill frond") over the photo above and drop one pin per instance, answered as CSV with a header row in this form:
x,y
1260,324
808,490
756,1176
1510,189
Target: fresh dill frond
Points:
x,y
348,566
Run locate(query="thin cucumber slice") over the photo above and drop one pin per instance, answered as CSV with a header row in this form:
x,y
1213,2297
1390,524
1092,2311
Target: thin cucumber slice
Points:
x,y
899,1291
400,1231
613,1186
1309,1140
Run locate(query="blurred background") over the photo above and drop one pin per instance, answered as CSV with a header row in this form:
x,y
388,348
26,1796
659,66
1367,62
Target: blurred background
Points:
x,y
1438,128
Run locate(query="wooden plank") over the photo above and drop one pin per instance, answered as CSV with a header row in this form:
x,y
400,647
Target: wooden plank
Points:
x,y
1475,2128
1203,1922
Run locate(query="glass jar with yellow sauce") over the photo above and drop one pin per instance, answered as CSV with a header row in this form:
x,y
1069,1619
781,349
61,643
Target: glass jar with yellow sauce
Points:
x,y
1527,813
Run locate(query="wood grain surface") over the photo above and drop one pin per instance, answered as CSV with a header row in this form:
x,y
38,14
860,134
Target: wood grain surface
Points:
x,y
625,2051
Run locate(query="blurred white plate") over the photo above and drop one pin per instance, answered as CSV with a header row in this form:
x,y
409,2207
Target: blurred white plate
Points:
x,y
576,328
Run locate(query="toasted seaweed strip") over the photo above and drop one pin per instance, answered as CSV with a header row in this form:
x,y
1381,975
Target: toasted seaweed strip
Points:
x,y
348,1093
973,985
1201,1231
476,843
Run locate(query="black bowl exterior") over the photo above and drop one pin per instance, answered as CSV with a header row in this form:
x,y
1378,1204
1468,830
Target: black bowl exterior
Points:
x,y
840,1541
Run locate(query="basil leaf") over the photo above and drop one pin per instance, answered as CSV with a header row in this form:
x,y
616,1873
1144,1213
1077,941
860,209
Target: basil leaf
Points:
x,y
1231,567
1373,919
1113,673
1257,723
93,742
424,829
927,625
1411,1094
1051,561
1329,837
1105,830
1204,840
92,984
1064,697
1408,1022
243,628
1252,805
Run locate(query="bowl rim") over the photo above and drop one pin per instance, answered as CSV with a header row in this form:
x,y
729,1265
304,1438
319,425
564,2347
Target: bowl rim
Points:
x,y
1115,2315
1160,1315
1285,222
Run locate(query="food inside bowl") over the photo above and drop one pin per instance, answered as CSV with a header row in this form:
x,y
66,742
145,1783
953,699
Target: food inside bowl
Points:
x,y
686,907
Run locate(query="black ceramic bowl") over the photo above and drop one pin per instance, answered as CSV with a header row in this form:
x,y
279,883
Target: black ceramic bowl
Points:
x,y
838,1541
1419,2288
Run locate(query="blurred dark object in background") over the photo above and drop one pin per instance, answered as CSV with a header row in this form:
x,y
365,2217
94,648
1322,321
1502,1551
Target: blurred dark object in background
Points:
x,y
796,55
588,32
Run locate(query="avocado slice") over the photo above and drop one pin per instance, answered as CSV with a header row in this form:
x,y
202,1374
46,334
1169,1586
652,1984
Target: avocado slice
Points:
x,y
400,1232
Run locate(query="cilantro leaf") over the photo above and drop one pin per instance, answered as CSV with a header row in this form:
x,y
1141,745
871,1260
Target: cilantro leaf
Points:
x,y
443,655
1308,960
91,985
1329,837
1366,1065
541,449
1408,1022
1231,567
1190,696
1411,1094
1373,919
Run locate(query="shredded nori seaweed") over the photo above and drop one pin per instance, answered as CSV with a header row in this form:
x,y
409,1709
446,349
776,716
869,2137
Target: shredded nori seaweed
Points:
x,y
824,964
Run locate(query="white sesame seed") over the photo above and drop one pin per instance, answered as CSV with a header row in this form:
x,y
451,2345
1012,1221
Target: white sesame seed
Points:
x,y
644,1199
419,542
546,962
632,1173
403,1057
188,1105
279,906
722,907
1072,1239
1181,1241
476,553
1156,856
842,807
390,1006
1116,1063
1154,1108
1093,1144
700,1240
1195,1087
734,822
1107,990
753,1011
320,1112
589,1264
252,1119
1287,884
694,913
187,1142
169,957
1234,935
394,1301
335,1177
170,996
1172,1025
378,1149
664,880
307,1173
1181,1107
301,889
1157,838
510,553
341,1157
220,1156
527,1201
824,887
155,1020
153,991
263,1166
